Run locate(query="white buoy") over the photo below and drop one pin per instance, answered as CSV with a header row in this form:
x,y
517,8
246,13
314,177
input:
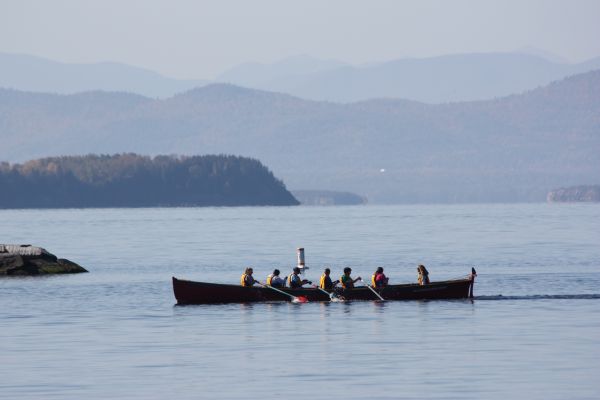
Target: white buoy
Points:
x,y
300,254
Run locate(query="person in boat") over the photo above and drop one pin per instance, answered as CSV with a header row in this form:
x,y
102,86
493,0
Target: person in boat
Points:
x,y
378,279
346,280
325,282
294,280
247,279
275,280
422,275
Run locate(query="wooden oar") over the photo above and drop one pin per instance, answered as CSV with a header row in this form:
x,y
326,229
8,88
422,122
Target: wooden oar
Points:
x,y
295,299
373,290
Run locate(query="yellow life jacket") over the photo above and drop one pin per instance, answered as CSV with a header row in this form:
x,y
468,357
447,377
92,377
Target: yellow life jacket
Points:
x,y
269,279
322,281
373,282
244,280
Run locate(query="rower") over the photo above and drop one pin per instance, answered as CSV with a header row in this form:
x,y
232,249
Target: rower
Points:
x,y
422,275
247,279
275,280
325,282
346,280
294,281
378,279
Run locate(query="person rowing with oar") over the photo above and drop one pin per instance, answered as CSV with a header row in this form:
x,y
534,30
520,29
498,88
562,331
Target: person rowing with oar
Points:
x,y
326,283
275,280
346,280
348,283
294,280
247,279
270,285
327,286
378,279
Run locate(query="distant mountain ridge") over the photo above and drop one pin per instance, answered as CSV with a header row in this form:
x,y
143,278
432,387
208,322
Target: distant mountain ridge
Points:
x,y
515,148
448,78
260,75
37,74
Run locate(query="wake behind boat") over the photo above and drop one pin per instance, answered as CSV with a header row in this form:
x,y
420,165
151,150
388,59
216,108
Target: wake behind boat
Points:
x,y
190,292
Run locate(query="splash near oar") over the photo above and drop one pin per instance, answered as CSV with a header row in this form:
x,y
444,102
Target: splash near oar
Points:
x,y
332,296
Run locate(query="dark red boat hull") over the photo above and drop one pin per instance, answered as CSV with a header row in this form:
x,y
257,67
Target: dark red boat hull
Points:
x,y
190,292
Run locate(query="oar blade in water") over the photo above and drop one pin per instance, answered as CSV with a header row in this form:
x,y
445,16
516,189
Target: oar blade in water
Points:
x,y
300,299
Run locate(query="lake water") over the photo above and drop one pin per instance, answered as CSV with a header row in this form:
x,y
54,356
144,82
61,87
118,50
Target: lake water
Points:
x,y
532,332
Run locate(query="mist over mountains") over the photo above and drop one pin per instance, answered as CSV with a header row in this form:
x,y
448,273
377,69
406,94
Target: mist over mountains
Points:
x,y
514,148
449,78
36,74
260,75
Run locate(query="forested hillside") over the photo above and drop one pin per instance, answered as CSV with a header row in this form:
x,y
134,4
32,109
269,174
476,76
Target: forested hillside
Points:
x,y
515,148
130,180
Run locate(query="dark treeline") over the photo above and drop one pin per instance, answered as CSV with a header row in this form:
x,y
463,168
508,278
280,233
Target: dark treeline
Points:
x,y
131,180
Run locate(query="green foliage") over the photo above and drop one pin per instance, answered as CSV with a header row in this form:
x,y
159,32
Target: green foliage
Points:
x,y
131,180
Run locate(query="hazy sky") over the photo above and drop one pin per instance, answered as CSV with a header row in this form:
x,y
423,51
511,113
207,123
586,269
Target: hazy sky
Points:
x,y
199,39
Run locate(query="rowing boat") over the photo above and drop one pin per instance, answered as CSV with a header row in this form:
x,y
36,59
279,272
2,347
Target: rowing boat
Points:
x,y
191,292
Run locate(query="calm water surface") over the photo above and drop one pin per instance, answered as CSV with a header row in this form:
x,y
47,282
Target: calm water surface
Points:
x,y
533,331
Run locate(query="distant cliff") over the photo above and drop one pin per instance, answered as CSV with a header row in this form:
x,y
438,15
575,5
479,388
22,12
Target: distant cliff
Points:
x,y
588,193
131,180
327,198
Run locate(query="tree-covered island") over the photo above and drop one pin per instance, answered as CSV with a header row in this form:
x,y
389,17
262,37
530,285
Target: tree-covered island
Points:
x,y
132,180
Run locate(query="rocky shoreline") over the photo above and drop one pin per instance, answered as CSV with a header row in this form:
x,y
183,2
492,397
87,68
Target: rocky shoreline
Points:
x,y
27,260
328,198
583,193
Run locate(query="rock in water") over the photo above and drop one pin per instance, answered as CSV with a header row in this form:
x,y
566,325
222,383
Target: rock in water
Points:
x,y
25,260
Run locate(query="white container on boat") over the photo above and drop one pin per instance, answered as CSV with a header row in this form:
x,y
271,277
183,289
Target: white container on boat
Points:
x,y
300,254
